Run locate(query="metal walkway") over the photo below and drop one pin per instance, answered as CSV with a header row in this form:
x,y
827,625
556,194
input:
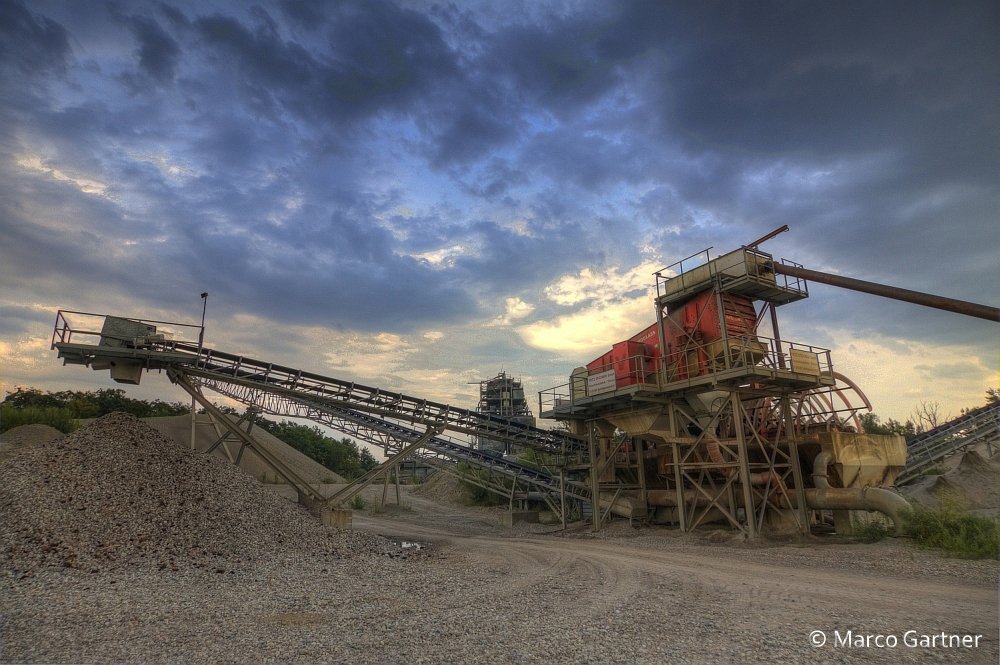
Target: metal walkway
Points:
x,y
387,419
979,426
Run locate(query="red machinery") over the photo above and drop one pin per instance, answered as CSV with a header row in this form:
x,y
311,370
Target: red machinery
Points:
x,y
693,336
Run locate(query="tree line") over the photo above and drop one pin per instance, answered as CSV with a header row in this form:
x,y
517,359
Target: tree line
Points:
x,y
61,408
924,417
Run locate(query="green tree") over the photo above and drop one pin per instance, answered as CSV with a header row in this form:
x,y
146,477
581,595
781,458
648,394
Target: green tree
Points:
x,y
91,404
873,425
342,456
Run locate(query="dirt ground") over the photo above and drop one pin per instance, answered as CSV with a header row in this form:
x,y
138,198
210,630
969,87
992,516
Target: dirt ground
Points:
x,y
471,590
862,598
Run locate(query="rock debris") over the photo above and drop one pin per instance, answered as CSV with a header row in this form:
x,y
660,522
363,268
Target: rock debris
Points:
x,y
118,493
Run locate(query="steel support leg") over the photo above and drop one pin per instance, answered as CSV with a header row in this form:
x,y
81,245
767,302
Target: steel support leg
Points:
x,y
277,465
595,483
349,492
750,513
793,450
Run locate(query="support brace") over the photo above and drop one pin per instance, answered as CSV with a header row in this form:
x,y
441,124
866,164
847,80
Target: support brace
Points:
x,y
276,465
352,490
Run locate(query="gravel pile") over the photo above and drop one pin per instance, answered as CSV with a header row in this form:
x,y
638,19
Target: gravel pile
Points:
x,y
117,493
27,435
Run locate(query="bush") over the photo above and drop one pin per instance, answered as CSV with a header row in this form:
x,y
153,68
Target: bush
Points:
x,y
873,531
955,530
57,417
475,494
358,502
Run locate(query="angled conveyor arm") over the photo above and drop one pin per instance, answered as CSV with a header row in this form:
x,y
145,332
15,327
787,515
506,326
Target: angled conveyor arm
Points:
x,y
386,433
257,378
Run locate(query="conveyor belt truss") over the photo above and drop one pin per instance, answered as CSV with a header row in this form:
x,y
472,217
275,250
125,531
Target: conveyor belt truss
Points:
x,y
387,419
505,474
256,378
979,426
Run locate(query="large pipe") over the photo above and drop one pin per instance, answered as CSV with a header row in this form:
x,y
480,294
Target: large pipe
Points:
x,y
822,497
860,498
820,476
896,293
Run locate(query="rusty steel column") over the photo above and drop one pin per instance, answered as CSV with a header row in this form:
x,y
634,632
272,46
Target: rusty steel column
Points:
x,y
595,484
893,292
749,510
793,451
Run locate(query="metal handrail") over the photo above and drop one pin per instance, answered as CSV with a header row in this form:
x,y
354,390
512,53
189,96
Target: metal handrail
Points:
x,y
744,352
64,330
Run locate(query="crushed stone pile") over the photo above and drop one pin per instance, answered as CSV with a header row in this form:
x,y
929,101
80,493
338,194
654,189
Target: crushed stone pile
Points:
x,y
117,493
444,488
28,435
974,482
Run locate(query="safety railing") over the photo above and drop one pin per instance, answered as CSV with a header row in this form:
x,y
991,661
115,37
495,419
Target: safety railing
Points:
x,y
698,271
87,328
681,270
728,358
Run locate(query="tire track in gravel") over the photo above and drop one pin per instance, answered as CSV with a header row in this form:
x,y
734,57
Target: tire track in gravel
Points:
x,y
590,578
773,587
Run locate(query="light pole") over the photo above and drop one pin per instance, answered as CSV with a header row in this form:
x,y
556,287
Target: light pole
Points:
x,y
201,335
201,341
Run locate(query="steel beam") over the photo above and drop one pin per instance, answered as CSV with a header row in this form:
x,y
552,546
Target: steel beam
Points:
x,y
276,465
347,493
893,292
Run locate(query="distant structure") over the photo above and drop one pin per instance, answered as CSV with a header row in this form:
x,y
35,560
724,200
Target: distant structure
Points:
x,y
503,396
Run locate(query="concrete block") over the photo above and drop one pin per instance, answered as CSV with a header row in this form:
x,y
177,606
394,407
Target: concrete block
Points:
x,y
513,517
339,519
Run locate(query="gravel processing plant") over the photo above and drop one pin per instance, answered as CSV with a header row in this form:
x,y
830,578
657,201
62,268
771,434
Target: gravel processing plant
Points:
x,y
701,504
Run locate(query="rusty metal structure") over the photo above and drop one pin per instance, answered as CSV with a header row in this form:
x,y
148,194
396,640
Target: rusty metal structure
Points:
x,y
503,396
710,416
706,416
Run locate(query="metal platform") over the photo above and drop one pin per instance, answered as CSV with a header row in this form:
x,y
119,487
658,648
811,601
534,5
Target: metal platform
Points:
x,y
745,272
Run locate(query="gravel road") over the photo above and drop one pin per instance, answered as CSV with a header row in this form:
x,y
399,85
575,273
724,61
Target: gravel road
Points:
x,y
480,593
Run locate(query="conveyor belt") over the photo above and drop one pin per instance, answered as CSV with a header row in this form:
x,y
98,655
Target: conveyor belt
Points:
x,y
258,377
393,435
978,426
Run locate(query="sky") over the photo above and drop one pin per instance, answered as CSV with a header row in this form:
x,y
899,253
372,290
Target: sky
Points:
x,y
417,195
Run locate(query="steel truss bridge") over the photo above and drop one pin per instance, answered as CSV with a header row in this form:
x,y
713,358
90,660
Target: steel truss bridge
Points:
x,y
403,426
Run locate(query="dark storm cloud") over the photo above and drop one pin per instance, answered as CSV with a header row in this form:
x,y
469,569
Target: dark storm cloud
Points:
x,y
33,44
470,132
510,262
564,66
376,57
16,321
158,51
589,161
257,153
819,79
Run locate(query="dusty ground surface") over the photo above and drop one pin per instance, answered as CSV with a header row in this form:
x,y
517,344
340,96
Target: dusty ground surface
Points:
x,y
478,592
